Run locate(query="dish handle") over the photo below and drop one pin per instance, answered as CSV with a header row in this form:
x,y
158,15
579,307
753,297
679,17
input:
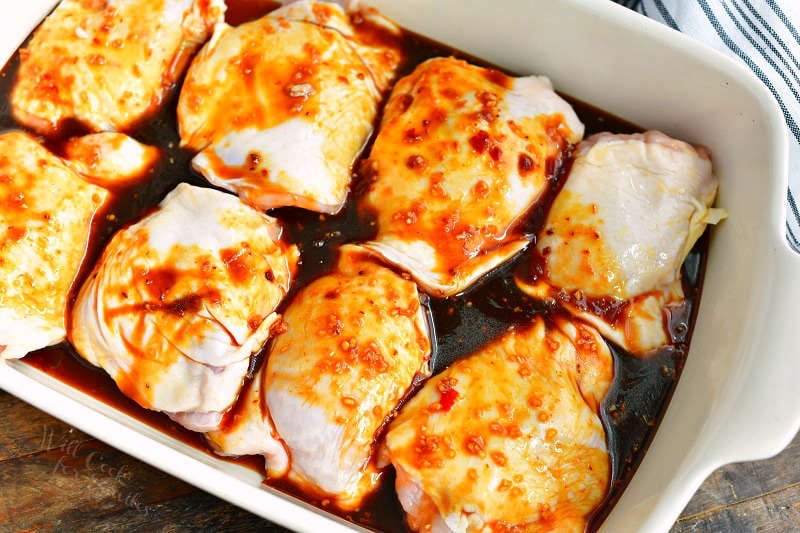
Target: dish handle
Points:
x,y
764,424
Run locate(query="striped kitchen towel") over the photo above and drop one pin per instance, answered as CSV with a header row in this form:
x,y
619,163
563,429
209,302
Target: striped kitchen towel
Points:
x,y
765,36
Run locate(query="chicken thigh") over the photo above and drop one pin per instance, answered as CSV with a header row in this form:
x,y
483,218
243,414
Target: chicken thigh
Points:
x,y
618,232
279,109
110,159
508,438
462,153
354,342
46,213
180,300
108,64
376,39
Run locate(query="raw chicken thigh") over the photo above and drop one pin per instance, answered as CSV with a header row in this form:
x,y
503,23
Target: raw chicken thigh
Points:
x,y
110,159
618,232
279,109
248,429
462,154
508,438
108,64
180,300
46,211
354,342
360,26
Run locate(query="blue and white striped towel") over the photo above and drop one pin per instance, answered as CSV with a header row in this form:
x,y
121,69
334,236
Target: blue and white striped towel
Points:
x,y
762,34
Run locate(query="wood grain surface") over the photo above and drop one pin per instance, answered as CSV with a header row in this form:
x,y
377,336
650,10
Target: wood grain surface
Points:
x,y
56,478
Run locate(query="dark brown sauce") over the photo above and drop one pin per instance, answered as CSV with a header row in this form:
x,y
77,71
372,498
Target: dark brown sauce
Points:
x,y
630,413
63,363
240,11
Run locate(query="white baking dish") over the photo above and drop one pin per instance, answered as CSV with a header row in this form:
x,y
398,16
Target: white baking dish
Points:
x,y
737,398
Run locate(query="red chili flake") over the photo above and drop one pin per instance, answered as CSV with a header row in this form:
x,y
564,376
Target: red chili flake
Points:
x,y
488,99
411,136
480,142
481,189
488,116
415,161
474,444
253,161
525,164
448,398
447,393
534,401
254,321
495,76
498,458
247,64
553,130
405,102
236,263
450,93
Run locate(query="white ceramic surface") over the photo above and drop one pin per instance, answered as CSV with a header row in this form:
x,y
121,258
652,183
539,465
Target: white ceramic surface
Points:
x,y
738,396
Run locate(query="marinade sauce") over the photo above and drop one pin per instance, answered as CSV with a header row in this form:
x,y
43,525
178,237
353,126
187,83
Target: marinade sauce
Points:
x,y
632,409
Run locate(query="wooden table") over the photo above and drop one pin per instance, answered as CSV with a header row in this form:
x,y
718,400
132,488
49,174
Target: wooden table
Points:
x,y
54,477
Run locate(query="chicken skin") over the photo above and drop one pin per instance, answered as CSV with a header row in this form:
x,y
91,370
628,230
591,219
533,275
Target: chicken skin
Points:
x,y
279,108
179,302
354,342
618,232
462,153
108,64
376,39
109,159
46,213
509,437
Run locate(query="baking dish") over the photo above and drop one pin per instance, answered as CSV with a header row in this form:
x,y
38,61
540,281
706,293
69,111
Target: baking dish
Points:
x,y
734,400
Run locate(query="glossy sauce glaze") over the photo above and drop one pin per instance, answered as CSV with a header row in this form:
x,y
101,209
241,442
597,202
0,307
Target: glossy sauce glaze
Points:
x,y
632,409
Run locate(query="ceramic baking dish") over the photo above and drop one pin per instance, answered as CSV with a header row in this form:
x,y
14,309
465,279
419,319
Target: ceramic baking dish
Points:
x,y
737,398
